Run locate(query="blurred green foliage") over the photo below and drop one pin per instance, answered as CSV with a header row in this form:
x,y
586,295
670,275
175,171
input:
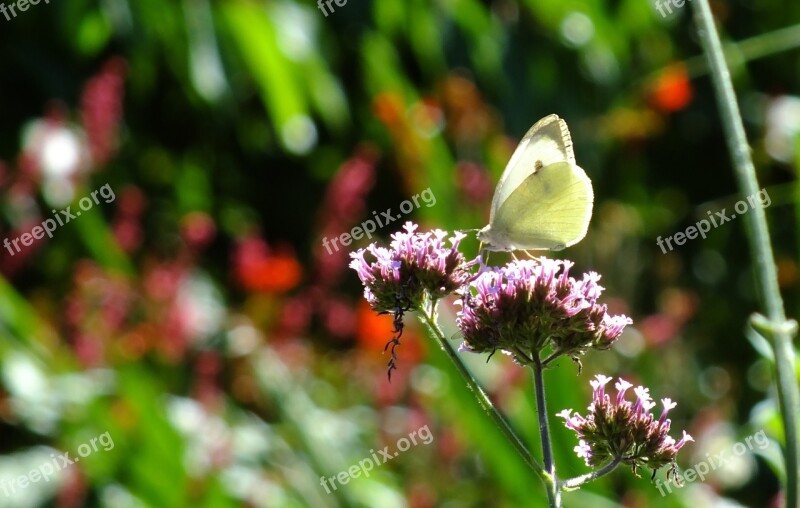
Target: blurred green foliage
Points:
x,y
198,319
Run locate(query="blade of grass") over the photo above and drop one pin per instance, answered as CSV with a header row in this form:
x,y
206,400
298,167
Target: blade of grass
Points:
x,y
22,323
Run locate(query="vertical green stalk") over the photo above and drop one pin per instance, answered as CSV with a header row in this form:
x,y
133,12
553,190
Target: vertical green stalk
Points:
x,y
551,482
428,316
777,330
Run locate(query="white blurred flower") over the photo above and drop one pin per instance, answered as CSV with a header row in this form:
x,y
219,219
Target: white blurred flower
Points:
x,y
783,127
39,399
296,29
731,462
577,29
299,134
200,306
14,465
207,436
60,152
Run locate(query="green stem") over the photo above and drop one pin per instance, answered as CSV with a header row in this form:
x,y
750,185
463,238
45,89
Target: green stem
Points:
x,y
577,482
429,318
760,246
760,46
553,487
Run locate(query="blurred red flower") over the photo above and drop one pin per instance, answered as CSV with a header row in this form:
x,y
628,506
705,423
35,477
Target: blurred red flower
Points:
x,y
389,108
256,268
373,330
671,90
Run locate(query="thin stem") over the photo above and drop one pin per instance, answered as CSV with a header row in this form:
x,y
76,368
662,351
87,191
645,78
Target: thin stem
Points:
x,y
429,318
553,488
577,482
761,249
760,46
551,357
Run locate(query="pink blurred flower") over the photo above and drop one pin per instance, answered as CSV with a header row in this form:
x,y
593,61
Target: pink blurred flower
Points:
x,y
474,182
127,224
198,229
101,109
343,206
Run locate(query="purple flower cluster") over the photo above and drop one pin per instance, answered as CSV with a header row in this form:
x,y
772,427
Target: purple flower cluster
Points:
x,y
416,264
624,431
530,305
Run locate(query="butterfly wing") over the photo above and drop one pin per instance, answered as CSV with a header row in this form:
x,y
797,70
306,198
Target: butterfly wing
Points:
x,y
546,143
549,210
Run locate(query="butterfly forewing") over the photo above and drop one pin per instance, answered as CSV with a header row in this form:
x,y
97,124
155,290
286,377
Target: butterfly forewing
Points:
x,y
546,143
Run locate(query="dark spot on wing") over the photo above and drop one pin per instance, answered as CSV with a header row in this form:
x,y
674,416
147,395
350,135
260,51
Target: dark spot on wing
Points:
x,y
538,165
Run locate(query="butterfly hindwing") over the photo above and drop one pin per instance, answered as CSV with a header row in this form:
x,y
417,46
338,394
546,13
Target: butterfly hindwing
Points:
x,y
550,210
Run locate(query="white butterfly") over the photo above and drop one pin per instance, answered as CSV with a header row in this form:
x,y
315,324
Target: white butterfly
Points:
x,y
543,200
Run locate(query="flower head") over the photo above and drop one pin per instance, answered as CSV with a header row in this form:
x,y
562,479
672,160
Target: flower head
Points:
x,y
618,429
529,305
414,265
